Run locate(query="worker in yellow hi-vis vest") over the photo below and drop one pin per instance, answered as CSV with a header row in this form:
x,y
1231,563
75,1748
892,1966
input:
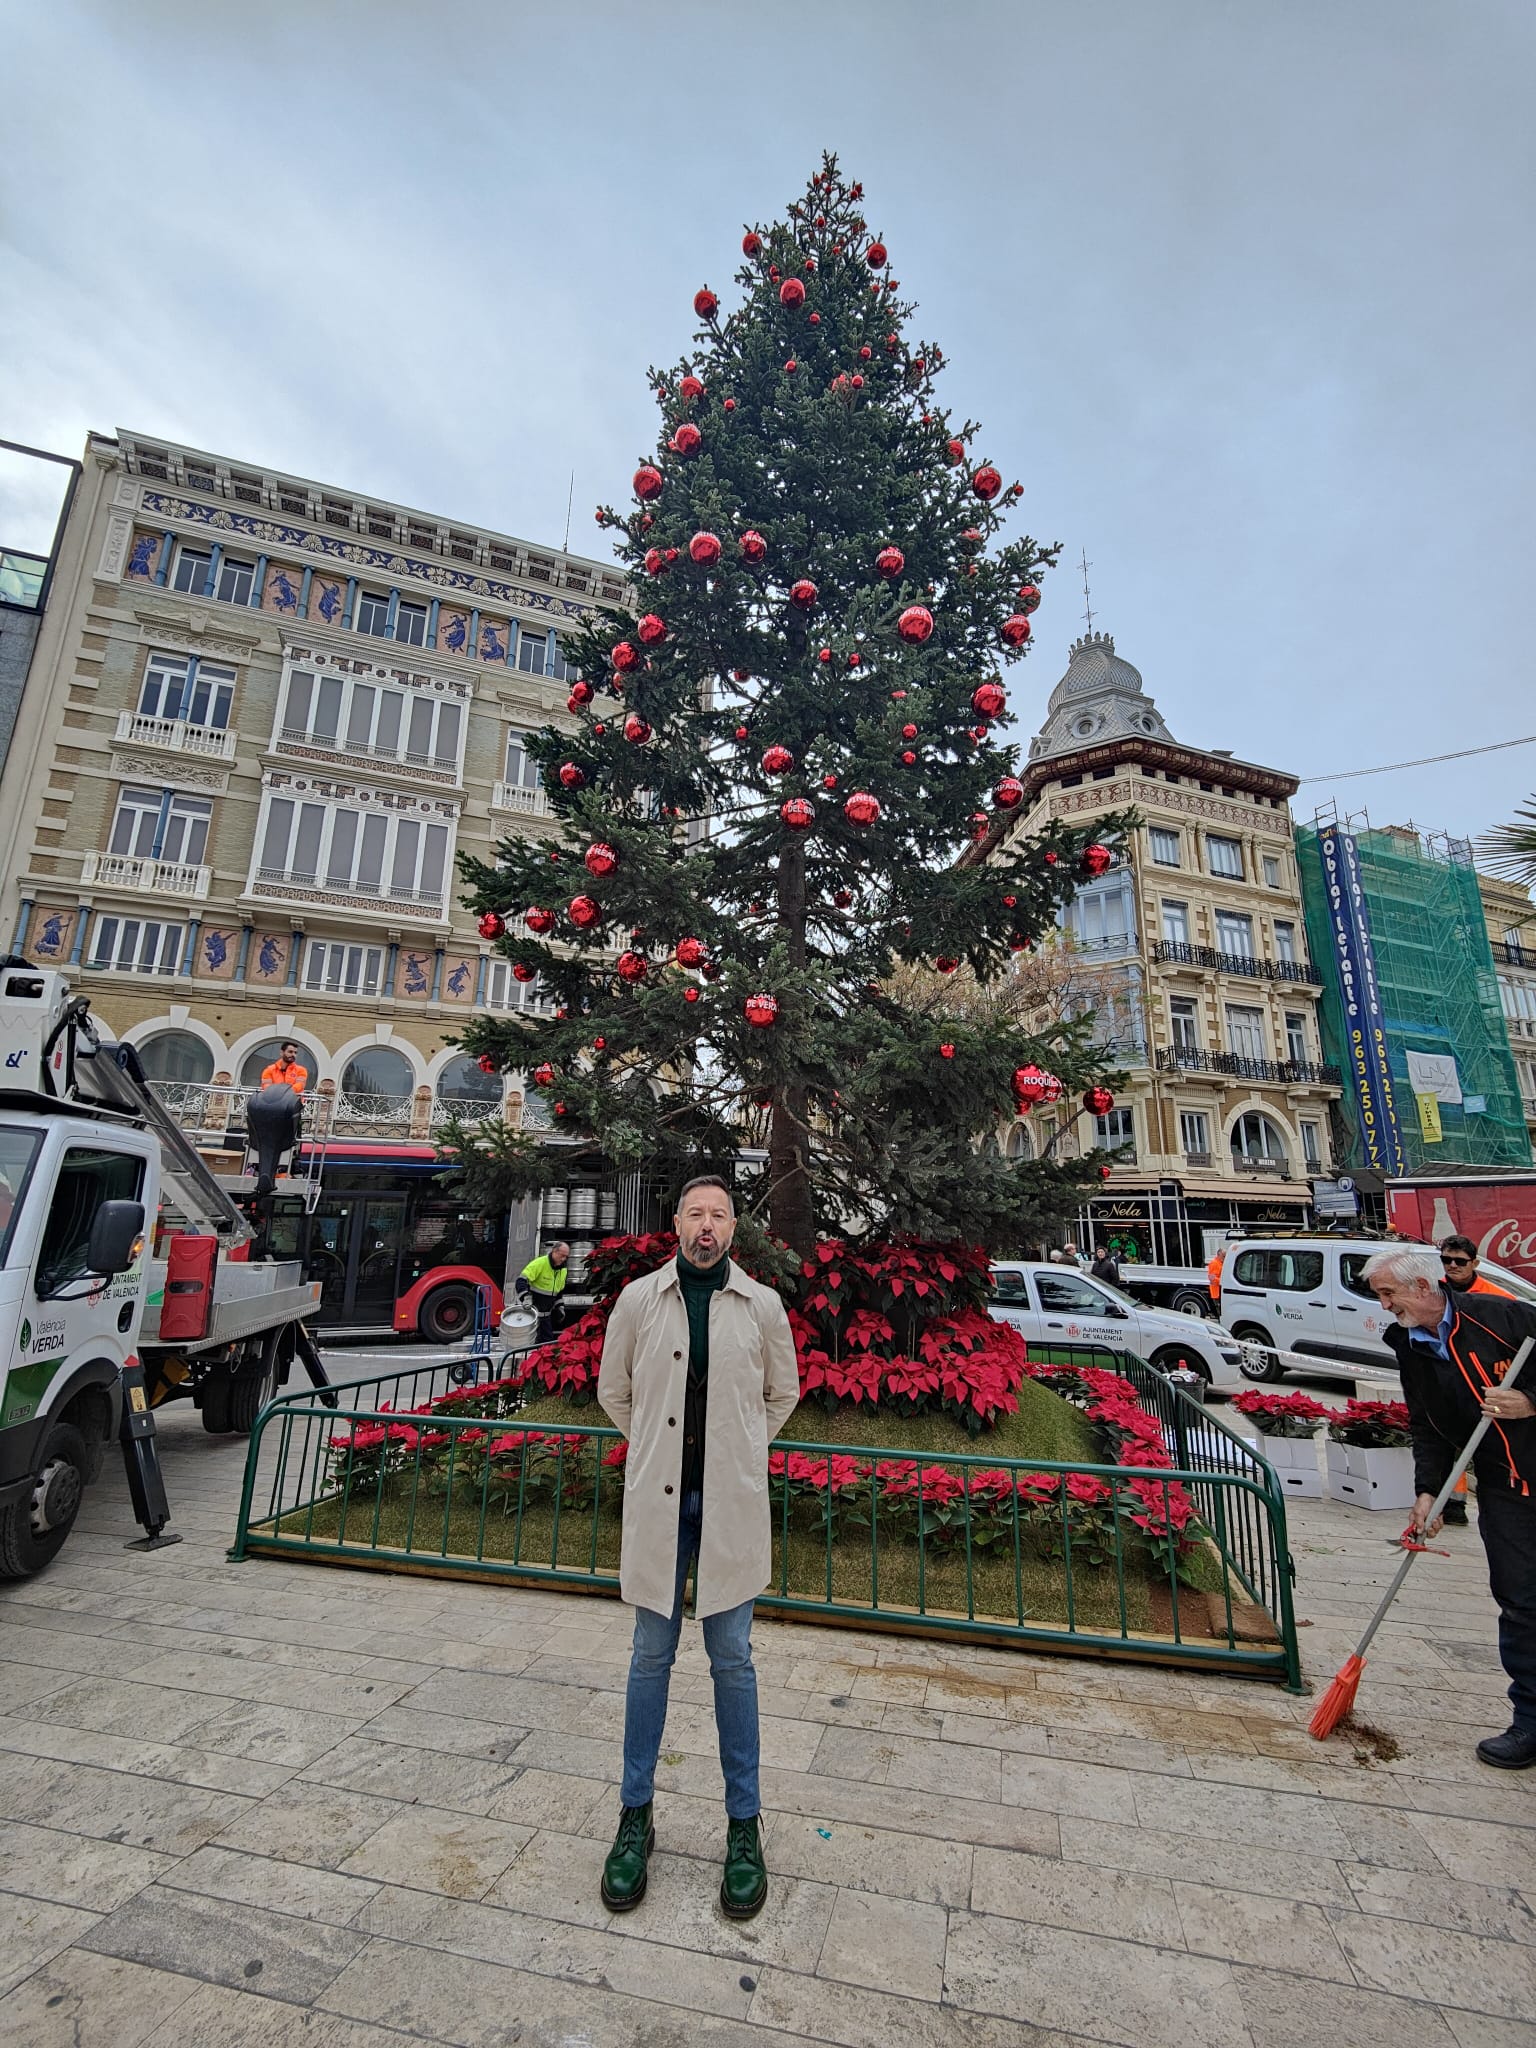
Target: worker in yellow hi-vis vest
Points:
x,y
541,1284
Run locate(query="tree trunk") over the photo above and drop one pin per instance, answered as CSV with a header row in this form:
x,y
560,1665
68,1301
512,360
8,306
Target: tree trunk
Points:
x,y
791,1208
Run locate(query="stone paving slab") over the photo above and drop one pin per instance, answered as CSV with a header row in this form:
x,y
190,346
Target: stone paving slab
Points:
x,y
270,1804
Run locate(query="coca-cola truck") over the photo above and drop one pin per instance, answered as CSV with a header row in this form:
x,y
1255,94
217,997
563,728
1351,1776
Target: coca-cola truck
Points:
x,y
1497,1210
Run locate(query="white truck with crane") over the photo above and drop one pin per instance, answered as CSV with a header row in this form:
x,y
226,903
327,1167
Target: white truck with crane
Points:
x,y
96,1331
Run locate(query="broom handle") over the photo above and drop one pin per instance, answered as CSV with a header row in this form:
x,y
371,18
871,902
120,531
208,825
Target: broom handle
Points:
x,y
1441,1498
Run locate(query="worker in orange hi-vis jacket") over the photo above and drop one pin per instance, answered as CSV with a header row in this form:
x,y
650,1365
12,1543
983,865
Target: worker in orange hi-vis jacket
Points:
x,y
287,1070
1213,1274
1458,1260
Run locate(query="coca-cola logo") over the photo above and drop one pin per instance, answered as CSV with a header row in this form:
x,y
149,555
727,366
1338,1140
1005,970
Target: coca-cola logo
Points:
x,y
1504,1243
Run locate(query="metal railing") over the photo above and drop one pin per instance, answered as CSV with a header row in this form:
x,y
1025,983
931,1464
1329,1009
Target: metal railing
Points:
x,y
323,890
1510,953
1182,1059
1179,953
1037,1553
157,877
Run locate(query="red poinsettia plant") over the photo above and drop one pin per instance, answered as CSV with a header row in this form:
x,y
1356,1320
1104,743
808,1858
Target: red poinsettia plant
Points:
x,y
1282,1414
1372,1425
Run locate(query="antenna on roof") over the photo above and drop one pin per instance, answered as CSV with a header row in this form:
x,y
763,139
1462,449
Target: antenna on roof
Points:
x,y
1085,565
565,545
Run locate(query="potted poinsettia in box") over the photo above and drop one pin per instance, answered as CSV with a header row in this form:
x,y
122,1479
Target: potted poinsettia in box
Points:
x,y
1288,1426
1370,1456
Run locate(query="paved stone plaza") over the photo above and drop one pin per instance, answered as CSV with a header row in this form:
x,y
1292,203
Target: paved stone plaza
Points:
x,y
268,1803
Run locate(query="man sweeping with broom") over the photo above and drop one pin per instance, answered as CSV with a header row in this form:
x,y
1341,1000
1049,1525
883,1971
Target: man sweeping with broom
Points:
x,y
1454,1350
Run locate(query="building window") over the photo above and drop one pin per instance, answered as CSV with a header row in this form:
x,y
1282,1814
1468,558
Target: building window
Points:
x,y
175,1056
270,1050
1245,1032
1114,1130
1234,933
234,581
1285,941
153,824
180,688
503,990
411,624
464,1080
523,772
136,945
1165,847
1311,1145
379,1070
373,613
1176,924
1295,1037
532,651
1255,1141
190,570
1271,871
1224,856
370,853
1195,1133
1100,918
1181,1016
380,724
1019,1145
340,970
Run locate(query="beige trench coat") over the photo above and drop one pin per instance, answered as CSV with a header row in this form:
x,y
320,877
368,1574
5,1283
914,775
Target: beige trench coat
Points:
x,y
754,1383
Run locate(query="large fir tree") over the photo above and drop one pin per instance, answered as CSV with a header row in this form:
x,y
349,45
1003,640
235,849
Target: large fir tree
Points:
x,y
774,763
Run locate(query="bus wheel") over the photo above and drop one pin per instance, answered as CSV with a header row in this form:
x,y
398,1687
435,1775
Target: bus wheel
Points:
x,y
448,1313
33,1529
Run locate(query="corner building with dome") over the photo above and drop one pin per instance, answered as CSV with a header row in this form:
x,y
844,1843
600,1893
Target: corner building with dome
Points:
x,y
1192,952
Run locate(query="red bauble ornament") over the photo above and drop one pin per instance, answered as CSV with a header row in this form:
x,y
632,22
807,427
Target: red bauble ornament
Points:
x,y
1009,793
909,759
777,760
1029,599
636,729
1016,629
915,624
946,1052
861,808
1009,902
890,562
853,660
599,729
690,953
705,548
986,483
584,913
543,1075
647,481
1051,859
651,629
897,696
655,561
1103,1173
751,243
625,657
492,925
730,405
633,967
803,593
600,859
540,921
829,782
486,1064
753,546
797,814
690,994
761,1010
790,367
705,304
875,255
971,538
1029,1086
690,388
521,971
909,732
823,654
946,963
741,732
1098,1101
866,353
571,777
791,292
687,438
989,700
581,693
956,452
842,898
1097,859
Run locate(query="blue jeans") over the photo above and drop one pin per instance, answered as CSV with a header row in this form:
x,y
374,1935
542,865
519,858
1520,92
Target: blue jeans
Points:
x,y
728,1639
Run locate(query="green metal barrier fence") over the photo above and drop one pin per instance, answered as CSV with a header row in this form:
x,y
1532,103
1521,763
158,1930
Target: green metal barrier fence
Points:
x,y
1187,1565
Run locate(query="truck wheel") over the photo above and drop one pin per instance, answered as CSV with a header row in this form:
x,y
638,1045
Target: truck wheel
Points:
x,y
216,1390
448,1313
1258,1365
254,1384
32,1530
1189,1303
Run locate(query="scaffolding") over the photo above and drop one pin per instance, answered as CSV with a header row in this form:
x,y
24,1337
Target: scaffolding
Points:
x,y
1438,989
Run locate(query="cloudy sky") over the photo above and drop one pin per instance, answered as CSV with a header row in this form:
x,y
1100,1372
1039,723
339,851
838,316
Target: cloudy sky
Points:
x,y
1244,293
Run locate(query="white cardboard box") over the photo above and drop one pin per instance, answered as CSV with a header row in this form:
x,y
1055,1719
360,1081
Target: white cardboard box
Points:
x,y
1295,1461
1381,1480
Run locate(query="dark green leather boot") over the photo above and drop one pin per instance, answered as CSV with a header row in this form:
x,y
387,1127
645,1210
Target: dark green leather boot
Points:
x,y
626,1872
745,1885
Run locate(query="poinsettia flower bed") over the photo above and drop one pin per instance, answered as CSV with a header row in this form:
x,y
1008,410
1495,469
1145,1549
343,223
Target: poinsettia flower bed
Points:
x,y
1282,1414
1371,1425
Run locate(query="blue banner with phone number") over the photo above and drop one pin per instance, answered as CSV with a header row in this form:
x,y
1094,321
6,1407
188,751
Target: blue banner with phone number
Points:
x,y
1365,1035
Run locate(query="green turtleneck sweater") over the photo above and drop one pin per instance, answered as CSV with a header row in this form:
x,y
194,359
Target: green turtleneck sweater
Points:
x,y
700,1284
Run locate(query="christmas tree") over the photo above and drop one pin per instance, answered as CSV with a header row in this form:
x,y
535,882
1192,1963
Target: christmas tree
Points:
x,y
779,756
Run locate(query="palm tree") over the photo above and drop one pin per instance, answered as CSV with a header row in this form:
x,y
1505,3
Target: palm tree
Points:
x,y
1510,850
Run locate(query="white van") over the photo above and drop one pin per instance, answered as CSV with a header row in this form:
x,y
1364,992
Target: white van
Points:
x,y
1058,1305
1308,1295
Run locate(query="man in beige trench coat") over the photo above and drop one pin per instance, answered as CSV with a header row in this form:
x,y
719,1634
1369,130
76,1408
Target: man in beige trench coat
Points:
x,y
699,1373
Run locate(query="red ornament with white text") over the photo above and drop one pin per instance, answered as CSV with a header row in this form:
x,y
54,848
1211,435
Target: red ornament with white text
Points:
x,y
989,700
705,548
1097,860
1029,1085
540,920
1016,629
777,760
915,624
890,562
652,629
492,925
584,913
543,1075
1009,793
600,859
571,777
803,593
753,546
625,657
987,482
861,808
798,814
648,481
636,729
761,1010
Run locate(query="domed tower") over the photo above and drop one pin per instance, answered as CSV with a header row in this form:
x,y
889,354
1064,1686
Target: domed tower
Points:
x,y
1099,698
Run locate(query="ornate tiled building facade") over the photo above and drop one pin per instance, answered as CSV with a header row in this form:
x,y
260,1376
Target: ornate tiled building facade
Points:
x,y
262,720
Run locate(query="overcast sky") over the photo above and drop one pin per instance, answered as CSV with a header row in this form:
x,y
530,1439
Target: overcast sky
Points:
x,y
1244,292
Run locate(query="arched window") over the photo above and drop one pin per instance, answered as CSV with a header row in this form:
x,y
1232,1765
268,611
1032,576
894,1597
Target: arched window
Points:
x,y
271,1049
1256,1141
176,1056
1019,1146
378,1070
464,1080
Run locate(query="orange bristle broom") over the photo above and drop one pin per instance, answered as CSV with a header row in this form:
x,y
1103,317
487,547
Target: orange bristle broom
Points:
x,y
1339,1699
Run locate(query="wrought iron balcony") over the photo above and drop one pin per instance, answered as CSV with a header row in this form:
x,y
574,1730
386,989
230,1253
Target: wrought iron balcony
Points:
x,y
1178,1059
1510,953
176,736
1178,953
155,877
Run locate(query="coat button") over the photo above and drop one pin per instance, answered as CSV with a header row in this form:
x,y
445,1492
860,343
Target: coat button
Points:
x,y
666,1489
671,1422
677,1354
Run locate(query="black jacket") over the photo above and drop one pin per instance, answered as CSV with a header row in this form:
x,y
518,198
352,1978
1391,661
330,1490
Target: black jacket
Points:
x,y
1444,1396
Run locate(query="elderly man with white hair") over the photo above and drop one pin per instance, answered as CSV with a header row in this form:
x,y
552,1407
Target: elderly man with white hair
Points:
x,y
1453,1350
